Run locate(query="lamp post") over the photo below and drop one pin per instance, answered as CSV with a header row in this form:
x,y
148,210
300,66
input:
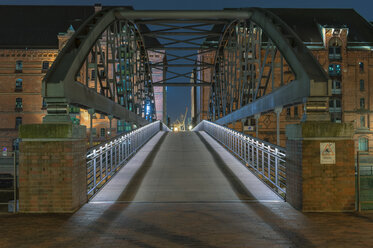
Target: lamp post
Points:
x,y
110,118
91,112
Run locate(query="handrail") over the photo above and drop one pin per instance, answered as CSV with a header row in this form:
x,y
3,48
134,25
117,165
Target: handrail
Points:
x,y
104,160
265,159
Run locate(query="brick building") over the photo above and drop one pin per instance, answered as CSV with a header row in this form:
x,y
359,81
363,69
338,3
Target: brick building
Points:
x,y
342,41
28,47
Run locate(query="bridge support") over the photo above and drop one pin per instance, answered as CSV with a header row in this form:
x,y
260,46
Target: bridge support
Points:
x,y
320,167
52,171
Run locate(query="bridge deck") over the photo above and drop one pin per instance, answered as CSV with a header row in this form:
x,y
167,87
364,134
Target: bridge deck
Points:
x,y
184,167
185,194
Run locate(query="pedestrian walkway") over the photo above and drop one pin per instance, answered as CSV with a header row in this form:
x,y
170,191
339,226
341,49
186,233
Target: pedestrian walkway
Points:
x,y
185,167
186,192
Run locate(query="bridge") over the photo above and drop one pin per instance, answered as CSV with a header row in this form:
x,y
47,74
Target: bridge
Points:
x,y
213,171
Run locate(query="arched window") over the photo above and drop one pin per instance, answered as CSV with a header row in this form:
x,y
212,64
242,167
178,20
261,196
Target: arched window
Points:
x,y
18,85
363,144
335,45
335,70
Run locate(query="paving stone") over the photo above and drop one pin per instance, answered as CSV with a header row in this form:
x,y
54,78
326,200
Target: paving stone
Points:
x,y
236,217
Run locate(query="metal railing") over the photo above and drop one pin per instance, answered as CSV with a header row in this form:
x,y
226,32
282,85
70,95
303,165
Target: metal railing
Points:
x,y
9,182
104,160
265,159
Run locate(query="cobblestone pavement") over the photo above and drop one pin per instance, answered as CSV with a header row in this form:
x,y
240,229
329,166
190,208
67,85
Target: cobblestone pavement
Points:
x,y
187,225
163,213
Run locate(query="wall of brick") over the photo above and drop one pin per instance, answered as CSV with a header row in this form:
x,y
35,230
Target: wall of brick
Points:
x,y
328,187
52,170
294,173
315,187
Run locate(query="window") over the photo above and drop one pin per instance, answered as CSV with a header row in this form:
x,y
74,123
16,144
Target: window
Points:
x,y
74,110
335,70
335,105
102,74
93,58
336,87
363,144
45,66
361,85
362,121
288,112
18,85
252,122
336,117
121,126
44,104
362,103
19,66
18,104
361,66
295,111
335,45
102,132
93,74
18,122
102,57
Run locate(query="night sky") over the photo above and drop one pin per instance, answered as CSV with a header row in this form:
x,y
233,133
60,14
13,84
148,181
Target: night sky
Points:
x,y
179,97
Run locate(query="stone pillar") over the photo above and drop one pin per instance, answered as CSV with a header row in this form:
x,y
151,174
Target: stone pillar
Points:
x,y
315,183
52,170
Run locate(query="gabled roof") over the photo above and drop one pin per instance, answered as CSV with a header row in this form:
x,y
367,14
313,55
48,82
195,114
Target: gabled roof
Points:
x,y
305,22
38,26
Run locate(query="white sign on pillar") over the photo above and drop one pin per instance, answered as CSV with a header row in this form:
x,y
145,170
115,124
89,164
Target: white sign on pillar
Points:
x,y
327,153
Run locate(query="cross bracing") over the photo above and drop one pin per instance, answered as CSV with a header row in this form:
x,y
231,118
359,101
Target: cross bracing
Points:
x,y
260,64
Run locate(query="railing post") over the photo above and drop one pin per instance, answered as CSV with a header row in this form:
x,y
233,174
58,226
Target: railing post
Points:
x,y
276,166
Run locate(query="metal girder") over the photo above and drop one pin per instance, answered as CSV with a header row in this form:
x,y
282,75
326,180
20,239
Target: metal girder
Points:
x,y
176,48
101,104
258,95
289,94
60,87
189,15
124,95
182,65
182,84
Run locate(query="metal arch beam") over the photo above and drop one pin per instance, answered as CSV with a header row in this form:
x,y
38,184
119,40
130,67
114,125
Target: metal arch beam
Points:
x,y
59,83
311,79
297,55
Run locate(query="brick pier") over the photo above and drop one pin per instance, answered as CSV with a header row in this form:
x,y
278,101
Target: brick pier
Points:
x,y
52,172
313,186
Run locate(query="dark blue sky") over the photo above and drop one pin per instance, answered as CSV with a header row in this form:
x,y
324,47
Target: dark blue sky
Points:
x,y
179,98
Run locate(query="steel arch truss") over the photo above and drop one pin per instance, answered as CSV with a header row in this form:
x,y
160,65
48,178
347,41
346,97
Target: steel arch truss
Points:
x,y
111,73
261,64
256,52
